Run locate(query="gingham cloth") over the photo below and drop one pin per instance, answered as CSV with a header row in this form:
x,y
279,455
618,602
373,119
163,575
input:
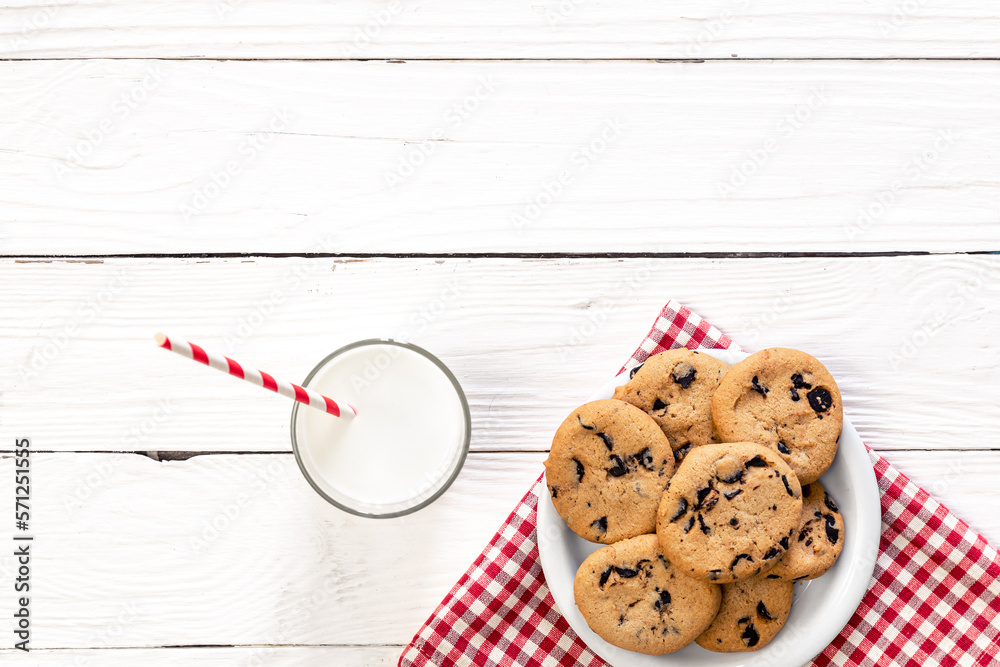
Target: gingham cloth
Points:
x,y
934,597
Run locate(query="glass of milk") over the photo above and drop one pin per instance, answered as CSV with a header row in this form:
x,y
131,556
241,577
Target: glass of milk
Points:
x,y
406,445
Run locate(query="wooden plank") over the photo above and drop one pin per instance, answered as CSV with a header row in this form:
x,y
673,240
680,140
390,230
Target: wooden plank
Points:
x,y
238,550
549,29
248,656
445,157
964,482
911,340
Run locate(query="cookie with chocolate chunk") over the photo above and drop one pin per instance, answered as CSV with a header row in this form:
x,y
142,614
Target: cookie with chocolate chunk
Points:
x,y
751,614
607,469
729,512
675,388
817,542
787,400
635,599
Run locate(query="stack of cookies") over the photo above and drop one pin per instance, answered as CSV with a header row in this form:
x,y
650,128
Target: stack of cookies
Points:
x,y
702,479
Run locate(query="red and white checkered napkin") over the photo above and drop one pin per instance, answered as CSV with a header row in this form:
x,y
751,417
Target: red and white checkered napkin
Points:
x,y
934,598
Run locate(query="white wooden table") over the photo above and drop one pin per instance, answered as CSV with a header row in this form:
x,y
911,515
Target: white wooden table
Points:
x,y
518,187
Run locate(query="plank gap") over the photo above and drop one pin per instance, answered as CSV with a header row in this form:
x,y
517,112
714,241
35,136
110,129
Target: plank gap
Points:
x,y
185,455
28,259
652,60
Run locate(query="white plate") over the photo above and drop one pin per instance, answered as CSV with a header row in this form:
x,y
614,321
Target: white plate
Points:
x,y
822,606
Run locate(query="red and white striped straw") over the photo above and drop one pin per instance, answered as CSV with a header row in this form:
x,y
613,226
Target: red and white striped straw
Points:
x,y
259,378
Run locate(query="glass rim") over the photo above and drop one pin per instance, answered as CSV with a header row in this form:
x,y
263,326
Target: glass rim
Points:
x,y
467,438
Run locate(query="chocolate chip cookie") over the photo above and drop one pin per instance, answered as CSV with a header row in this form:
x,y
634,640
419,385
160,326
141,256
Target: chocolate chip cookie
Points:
x,y
607,470
787,400
729,512
635,599
818,540
752,613
675,388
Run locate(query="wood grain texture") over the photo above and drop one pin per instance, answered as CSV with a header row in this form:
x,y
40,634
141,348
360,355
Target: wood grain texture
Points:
x,y
244,656
157,156
547,29
911,340
960,481
238,550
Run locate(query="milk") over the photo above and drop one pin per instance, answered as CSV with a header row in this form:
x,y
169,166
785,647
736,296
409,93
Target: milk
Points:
x,y
407,441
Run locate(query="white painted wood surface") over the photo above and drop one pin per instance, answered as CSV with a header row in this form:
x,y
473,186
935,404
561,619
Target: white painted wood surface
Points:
x,y
445,157
911,340
244,656
139,553
165,562
239,550
173,554
536,29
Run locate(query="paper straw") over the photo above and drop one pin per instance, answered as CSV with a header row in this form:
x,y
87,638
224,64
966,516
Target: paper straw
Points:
x,y
259,378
